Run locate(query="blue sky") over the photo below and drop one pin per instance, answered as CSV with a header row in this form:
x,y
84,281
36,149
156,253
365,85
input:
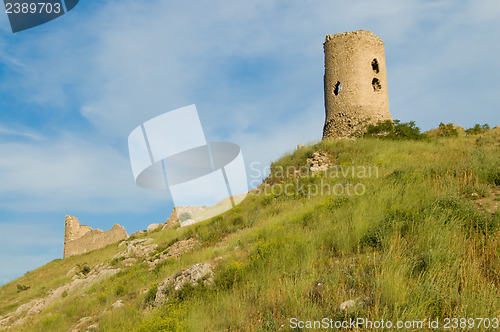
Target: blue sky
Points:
x,y
73,89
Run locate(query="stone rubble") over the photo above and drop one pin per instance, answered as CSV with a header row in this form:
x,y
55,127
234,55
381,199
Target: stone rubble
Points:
x,y
139,248
319,162
201,272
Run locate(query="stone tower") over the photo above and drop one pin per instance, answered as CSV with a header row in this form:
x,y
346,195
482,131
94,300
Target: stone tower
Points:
x,y
355,83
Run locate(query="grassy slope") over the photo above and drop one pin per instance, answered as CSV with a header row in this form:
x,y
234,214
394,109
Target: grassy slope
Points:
x,y
414,243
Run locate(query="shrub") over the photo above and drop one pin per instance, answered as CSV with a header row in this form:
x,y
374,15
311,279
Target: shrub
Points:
x,y
447,130
84,269
171,318
116,260
21,288
394,130
477,129
187,290
230,275
120,290
151,295
102,297
237,220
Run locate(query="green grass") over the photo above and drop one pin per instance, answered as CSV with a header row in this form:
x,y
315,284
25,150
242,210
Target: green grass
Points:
x,y
414,243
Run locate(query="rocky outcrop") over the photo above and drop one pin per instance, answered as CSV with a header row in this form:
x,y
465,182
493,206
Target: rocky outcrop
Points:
x,y
195,275
79,239
176,251
319,162
153,227
139,248
34,307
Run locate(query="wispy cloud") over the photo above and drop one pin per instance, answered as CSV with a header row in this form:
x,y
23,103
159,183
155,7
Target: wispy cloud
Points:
x,y
4,131
69,173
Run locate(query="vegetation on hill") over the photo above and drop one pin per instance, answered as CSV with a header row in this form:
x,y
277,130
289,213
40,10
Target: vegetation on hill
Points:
x,y
393,225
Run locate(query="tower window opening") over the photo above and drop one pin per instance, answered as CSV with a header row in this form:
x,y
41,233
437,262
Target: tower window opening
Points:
x,y
376,84
375,66
337,88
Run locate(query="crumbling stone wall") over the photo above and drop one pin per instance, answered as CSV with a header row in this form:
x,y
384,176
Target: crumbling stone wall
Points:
x,y
79,239
355,83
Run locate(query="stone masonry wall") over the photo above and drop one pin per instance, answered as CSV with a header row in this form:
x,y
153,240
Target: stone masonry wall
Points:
x,y
79,239
355,83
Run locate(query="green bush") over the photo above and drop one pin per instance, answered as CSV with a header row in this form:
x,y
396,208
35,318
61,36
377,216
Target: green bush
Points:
x,y
394,130
171,318
151,294
447,130
187,290
120,290
21,288
477,129
229,275
84,269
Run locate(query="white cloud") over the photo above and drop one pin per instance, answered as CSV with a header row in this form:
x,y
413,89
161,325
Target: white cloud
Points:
x,y
69,173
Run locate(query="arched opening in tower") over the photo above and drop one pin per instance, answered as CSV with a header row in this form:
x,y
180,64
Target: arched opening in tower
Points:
x,y
337,88
375,66
376,84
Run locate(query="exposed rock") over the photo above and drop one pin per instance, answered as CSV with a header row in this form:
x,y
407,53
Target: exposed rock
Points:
x,y
176,250
348,305
72,271
81,323
93,276
319,162
94,327
6,321
137,248
84,320
138,233
153,227
117,304
129,261
358,303
25,307
34,307
201,272
179,248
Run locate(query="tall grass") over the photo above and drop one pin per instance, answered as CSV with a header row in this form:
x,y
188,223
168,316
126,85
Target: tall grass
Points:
x,y
413,246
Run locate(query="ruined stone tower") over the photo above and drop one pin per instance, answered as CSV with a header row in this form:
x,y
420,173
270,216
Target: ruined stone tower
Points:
x,y
355,83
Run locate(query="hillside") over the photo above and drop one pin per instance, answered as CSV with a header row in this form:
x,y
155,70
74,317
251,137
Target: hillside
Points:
x,y
394,231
